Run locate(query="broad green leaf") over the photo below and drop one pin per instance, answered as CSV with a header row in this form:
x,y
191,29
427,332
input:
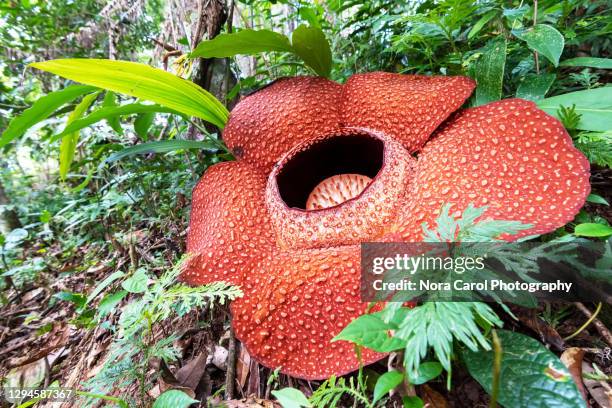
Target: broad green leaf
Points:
x,y
544,39
142,124
594,106
412,402
110,101
291,398
243,42
108,303
590,229
386,383
530,375
426,372
481,23
597,199
105,113
534,87
70,140
137,283
162,146
489,71
591,62
312,46
144,82
173,399
41,110
371,332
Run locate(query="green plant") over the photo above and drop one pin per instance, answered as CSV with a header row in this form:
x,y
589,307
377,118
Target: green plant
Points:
x,y
135,336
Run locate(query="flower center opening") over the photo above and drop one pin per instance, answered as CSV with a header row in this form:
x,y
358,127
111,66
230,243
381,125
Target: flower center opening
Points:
x,y
330,171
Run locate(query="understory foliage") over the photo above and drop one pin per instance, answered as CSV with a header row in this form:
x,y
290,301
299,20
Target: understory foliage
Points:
x,y
96,177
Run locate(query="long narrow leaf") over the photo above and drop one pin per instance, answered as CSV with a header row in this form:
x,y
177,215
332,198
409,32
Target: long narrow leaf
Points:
x,y
41,110
105,113
489,72
162,146
70,140
141,81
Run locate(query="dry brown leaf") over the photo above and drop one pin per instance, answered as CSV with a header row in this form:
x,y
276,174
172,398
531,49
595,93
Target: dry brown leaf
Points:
x,y
191,373
432,398
243,364
572,359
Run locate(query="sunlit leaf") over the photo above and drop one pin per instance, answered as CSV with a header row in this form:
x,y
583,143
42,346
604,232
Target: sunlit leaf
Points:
x,y
71,139
141,81
41,110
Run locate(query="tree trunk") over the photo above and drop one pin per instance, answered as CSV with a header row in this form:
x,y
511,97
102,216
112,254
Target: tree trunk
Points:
x,y
8,217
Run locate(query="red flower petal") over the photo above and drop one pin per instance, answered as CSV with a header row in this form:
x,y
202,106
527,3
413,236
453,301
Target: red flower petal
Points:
x,y
229,225
407,107
363,218
266,124
507,155
294,304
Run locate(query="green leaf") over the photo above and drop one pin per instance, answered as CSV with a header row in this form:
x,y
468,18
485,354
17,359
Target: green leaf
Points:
x,y
534,87
76,298
481,23
489,72
371,332
108,303
243,42
291,398
110,101
544,39
142,124
173,399
312,46
426,372
386,383
591,62
597,199
41,110
161,146
104,284
141,81
530,376
309,43
106,113
590,229
137,283
594,106
412,402
70,140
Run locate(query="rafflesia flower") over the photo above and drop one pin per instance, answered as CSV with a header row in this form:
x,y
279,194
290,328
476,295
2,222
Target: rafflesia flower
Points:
x,y
322,167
